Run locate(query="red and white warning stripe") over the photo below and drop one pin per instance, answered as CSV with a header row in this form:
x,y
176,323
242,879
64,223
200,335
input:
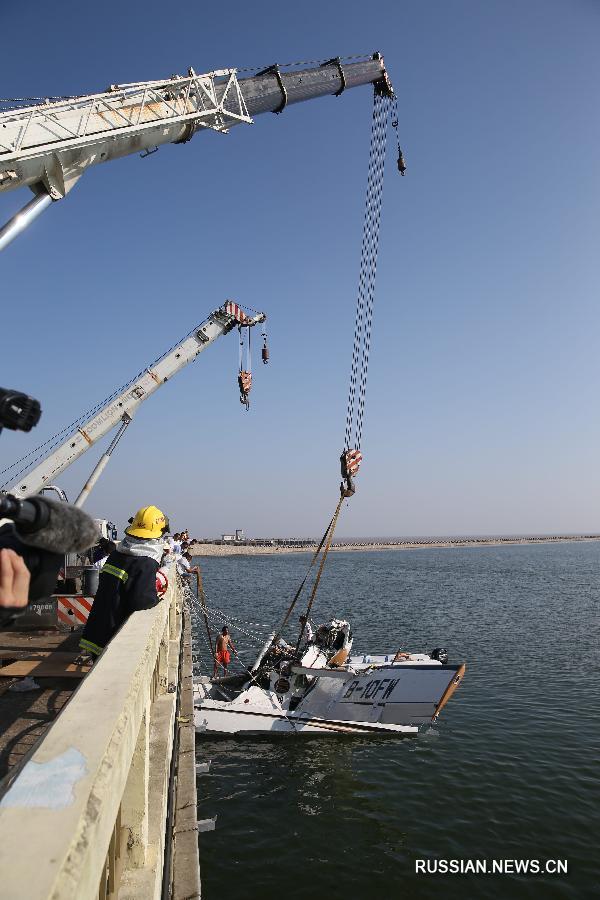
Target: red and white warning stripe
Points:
x,y
236,311
74,611
353,461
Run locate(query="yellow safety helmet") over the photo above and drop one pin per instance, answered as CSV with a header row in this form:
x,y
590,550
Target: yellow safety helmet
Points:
x,y
148,522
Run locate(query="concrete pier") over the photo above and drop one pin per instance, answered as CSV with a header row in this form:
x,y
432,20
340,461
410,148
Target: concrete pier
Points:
x,y
104,804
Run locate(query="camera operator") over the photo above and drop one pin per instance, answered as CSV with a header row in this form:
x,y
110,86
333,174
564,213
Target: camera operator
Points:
x,y
14,580
38,534
18,411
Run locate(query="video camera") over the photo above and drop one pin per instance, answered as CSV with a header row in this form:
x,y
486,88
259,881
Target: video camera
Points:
x,y
18,411
42,531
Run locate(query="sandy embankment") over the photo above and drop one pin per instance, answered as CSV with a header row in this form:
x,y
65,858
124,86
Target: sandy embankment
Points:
x,y
249,550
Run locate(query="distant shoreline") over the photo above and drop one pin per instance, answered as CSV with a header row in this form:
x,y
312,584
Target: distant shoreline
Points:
x,y
359,546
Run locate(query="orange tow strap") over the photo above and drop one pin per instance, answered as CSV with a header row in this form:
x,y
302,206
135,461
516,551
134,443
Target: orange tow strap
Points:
x,y
313,593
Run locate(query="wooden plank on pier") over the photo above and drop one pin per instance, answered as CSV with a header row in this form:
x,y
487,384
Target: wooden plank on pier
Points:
x,y
44,668
36,655
25,716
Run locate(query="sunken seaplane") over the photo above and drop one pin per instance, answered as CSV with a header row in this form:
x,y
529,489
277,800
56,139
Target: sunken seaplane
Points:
x,y
319,688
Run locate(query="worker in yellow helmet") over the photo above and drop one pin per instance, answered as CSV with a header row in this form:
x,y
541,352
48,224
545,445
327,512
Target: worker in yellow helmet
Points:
x,y
127,581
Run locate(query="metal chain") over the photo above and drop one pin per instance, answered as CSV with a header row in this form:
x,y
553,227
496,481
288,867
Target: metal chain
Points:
x,y
360,299
366,280
215,614
375,216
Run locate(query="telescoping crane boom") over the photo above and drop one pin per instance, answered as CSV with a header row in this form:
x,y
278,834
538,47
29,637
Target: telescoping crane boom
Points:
x,y
121,408
48,146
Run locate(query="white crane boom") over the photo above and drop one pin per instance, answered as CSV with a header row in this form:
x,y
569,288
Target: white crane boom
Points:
x,y
48,146
121,409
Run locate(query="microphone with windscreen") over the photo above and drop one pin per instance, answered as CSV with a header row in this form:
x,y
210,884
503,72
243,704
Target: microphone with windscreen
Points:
x,y
49,524
42,531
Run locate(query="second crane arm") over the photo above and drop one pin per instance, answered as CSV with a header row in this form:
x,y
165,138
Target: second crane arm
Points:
x,y
122,407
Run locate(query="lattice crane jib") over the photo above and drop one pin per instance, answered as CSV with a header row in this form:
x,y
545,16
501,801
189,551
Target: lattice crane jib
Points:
x,y
52,144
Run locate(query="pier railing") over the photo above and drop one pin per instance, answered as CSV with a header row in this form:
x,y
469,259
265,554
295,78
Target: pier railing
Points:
x,y
84,818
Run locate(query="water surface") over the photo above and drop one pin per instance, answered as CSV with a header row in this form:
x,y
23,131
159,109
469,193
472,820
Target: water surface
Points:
x,y
510,772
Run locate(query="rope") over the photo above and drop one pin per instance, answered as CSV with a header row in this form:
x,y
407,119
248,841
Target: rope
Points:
x,y
331,531
299,591
202,601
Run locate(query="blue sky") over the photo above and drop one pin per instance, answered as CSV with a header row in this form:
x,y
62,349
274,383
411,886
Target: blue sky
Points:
x,y
482,396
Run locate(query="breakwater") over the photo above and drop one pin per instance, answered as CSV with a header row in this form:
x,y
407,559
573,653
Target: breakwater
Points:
x,y
277,546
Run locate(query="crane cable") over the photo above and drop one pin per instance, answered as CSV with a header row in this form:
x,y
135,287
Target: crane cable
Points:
x,y
351,456
385,110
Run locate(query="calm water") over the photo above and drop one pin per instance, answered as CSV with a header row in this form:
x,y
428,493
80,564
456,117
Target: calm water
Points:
x,y
511,771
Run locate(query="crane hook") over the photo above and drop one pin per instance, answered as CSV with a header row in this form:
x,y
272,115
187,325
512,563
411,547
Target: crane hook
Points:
x,y
350,461
394,123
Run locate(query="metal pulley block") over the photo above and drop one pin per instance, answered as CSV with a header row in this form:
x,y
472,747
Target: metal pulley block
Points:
x,y
245,386
350,461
